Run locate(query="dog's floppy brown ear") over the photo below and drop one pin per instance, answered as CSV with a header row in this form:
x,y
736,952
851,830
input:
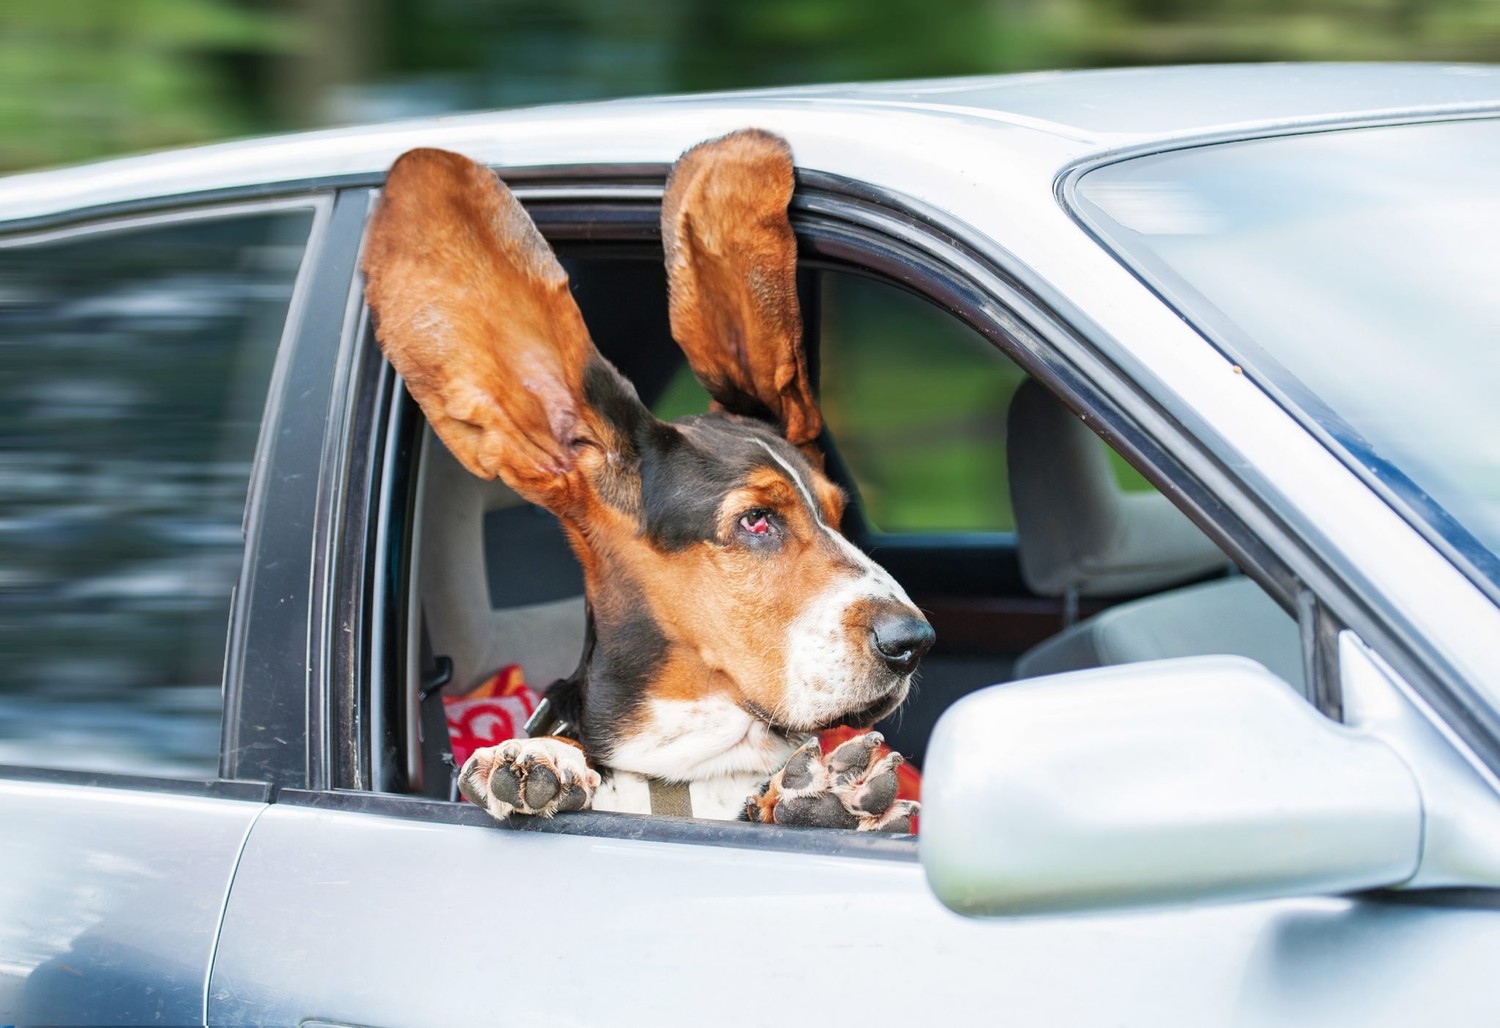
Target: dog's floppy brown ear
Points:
x,y
732,276
474,311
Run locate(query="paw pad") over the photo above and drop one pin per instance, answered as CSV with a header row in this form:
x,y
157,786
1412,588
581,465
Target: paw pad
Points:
x,y
852,787
529,776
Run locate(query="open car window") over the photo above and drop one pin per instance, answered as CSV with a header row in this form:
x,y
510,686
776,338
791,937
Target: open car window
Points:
x,y
499,596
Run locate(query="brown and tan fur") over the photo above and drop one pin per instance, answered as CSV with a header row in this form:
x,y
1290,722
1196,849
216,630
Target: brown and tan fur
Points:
x,y
719,589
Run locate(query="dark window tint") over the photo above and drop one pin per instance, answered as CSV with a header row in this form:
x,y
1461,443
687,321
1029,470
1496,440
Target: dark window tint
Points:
x,y
134,366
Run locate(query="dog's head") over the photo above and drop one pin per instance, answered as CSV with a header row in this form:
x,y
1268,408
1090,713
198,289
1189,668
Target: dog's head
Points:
x,y
710,546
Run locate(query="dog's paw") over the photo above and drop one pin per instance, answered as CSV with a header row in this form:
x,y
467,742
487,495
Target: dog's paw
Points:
x,y
529,776
853,787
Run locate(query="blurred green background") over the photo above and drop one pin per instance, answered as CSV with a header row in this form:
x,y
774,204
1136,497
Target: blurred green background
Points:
x,y
87,78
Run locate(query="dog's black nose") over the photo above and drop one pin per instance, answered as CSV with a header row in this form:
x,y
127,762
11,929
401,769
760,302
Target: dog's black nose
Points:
x,y
901,639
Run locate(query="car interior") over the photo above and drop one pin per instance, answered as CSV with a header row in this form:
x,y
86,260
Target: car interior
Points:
x,y
1058,557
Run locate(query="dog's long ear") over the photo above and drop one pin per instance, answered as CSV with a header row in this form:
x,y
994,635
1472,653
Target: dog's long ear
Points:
x,y
473,310
732,276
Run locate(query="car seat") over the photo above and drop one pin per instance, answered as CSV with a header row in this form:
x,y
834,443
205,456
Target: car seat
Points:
x,y
1079,534
497,583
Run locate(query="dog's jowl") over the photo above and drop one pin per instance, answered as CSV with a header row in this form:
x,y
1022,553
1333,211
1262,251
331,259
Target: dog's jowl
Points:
x,y
730,622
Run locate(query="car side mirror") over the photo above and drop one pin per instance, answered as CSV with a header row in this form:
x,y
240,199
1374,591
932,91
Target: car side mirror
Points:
x,y
1202,778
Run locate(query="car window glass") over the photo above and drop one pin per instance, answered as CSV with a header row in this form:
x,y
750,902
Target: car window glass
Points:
x,y
135,368
1379,246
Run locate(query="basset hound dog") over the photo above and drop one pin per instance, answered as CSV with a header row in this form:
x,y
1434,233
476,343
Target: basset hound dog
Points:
x,y
729,621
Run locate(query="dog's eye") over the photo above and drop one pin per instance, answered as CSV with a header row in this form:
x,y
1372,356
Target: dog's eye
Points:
x,y
757,523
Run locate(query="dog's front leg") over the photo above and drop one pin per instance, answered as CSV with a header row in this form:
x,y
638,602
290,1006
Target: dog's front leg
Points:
x,y
853,787
542,776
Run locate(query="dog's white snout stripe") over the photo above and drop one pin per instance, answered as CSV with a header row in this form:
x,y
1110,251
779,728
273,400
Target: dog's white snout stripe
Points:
x,y
876,575
828,671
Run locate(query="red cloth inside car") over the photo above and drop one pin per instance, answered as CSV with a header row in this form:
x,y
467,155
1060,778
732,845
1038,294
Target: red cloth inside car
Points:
x,y
489,714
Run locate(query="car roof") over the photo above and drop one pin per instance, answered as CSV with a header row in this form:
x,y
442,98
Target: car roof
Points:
x,y
1055,117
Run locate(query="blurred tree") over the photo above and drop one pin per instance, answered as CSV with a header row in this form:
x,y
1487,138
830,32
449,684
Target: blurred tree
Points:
x,y
343,43
850,40
80,78
1177,31
485,53
500,52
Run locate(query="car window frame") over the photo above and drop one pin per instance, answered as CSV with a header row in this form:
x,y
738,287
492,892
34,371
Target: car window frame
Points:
x,y
838,224
229,783
280,690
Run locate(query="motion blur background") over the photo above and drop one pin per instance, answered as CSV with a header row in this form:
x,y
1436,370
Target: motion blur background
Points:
x,y
86,78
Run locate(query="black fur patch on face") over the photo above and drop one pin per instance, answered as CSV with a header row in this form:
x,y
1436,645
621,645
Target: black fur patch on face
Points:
x,y
607,391
629,652
685,477
732,399
616,401
675,476
681,489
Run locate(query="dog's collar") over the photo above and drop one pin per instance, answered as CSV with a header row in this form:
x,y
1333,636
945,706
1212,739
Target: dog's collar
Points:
x,y
672,798
546,721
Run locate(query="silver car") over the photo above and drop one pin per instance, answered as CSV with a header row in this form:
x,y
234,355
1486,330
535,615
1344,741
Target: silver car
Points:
x,y
1170,395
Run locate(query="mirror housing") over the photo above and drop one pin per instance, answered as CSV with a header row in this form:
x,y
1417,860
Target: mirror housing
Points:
x,y
1201,778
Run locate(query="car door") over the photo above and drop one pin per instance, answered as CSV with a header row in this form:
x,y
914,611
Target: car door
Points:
x,y
372,898
139,355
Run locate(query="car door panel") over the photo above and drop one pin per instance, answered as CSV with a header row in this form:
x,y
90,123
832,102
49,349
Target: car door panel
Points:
x,y
110,900
359,918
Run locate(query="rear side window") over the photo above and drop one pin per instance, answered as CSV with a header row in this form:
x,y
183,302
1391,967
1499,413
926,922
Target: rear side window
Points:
x,y
134,366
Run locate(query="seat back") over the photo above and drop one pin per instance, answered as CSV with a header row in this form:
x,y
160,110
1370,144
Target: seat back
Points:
x,y
477,615
1077,530
1080,534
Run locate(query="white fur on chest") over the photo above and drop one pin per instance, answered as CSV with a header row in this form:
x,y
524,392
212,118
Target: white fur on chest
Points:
x,y
721,751
719,799
695,740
